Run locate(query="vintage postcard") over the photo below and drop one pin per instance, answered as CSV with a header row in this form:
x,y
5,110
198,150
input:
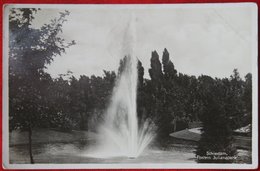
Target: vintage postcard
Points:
x,y
130,86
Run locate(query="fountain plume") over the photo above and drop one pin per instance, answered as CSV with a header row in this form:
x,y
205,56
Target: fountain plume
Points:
x,y
119,134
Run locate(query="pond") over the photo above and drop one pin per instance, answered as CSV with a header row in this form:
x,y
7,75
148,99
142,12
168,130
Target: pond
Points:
x,y
76,152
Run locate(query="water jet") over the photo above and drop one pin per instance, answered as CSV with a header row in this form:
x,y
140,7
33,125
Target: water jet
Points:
x,y
120,134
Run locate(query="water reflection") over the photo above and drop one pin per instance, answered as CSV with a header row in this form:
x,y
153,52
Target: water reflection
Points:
x,y
74,153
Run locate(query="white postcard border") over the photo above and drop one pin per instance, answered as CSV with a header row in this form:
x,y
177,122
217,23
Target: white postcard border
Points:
x,y
5,122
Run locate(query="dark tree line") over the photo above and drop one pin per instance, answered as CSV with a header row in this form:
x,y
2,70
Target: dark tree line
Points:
x,y
173,100
170,99
73,102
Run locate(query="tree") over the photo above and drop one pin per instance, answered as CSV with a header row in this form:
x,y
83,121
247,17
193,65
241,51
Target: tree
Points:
x,y
169,92
158,96
155,71
59,114
30,50
141,111
247,98
140,70
216,132
102,91
77,100
168,68
235,104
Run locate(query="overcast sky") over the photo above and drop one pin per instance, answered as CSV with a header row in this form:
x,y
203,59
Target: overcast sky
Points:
x,y
203,40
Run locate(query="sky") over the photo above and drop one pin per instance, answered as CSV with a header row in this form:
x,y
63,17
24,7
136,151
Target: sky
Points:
x,y
209,40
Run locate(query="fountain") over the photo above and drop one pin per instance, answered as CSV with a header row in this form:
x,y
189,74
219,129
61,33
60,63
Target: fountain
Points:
x,y
119,134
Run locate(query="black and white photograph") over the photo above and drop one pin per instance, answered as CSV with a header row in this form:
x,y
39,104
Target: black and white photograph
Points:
x,y
130,86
